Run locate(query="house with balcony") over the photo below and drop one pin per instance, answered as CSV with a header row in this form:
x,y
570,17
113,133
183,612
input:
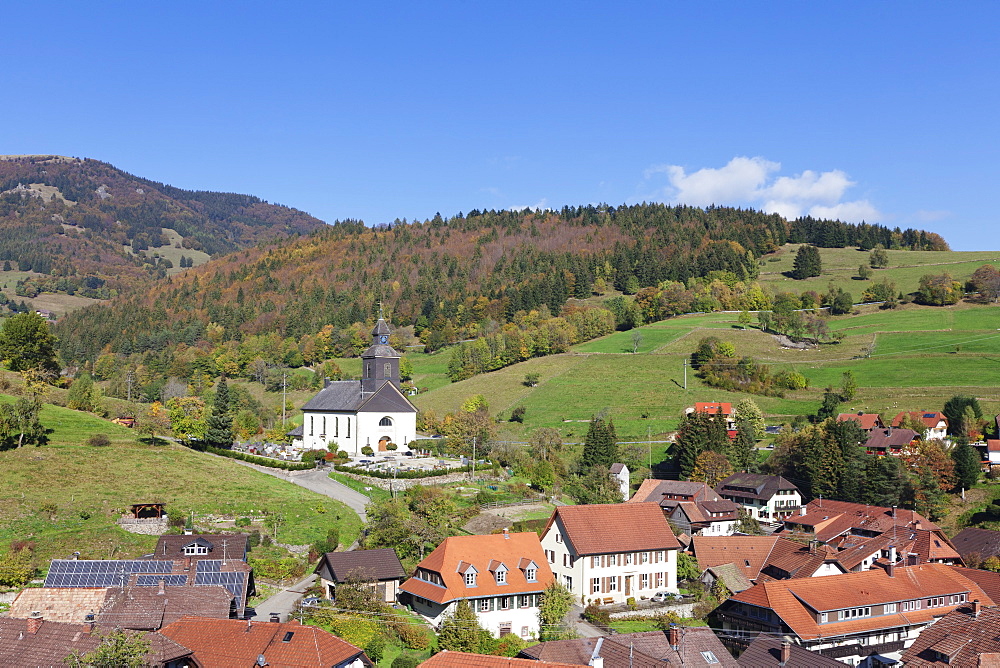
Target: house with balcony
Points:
x,y
890,441
863,619
611,552
502,576
769,498
935,423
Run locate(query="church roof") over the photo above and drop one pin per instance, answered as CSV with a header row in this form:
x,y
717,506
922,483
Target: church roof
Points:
x,y
380,350
346,395
381,328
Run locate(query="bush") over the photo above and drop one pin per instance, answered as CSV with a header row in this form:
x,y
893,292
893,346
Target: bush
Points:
x,y
597,615
400,474
376,648
243,521
517,415
99,440
412,635
406,661
260,461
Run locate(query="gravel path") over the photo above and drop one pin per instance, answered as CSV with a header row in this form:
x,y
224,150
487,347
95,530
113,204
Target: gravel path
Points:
x,y
319,481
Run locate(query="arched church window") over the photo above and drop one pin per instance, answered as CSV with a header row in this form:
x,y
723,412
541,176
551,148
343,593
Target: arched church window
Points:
x,y
388,369
385,422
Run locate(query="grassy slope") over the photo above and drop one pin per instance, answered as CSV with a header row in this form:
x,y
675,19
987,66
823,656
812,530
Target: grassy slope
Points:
x,y
911,368
104,481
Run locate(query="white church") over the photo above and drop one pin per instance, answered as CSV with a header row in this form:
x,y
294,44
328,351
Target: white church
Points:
x,y
350,414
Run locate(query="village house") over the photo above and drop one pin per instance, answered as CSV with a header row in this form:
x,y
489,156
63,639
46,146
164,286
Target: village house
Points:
x,y
502,576
748,554
379,569
889,441
991,456
867,421
769,498
620,474
612,552
705,518
935,423
714,408
350,415
668,493
867,618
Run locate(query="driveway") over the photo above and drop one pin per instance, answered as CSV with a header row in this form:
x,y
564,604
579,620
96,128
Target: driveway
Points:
x,y
319,481
284,601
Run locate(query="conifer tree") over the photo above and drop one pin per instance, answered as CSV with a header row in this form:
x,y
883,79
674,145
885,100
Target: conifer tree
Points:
x,y
600,446
460,631
807,262
743,450
219,432
966,465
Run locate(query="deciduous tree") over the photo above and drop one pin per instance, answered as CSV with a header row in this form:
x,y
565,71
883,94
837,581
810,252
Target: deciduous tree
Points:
x,y
27,343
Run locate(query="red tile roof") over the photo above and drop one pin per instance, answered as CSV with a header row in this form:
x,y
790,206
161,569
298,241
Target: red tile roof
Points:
x,y
479,551
792,600
712,551
232,643
929,418
614,527
713,408
961,636
868,421
446,659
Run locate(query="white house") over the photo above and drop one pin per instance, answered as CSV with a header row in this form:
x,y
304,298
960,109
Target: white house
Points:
x,y
620,474
770,498
935,423
351,414
612,552
501,575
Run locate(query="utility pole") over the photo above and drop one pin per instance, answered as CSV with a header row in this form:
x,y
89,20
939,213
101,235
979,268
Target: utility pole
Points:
x,y
473,459
128,382
685,374
284,391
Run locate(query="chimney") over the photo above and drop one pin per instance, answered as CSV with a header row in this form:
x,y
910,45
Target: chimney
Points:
x,y
892,554
786,653
891,569
35,622
163,589
975,608
894,511
812,546
596,660
802,510
90,619
674,635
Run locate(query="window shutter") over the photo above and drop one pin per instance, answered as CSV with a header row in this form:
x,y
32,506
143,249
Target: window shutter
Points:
x,y
604,585
619,583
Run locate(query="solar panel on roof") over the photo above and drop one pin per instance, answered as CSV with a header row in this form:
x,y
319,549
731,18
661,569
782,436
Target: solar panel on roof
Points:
x,y
100,573
154,580
207,565
234,582
928,415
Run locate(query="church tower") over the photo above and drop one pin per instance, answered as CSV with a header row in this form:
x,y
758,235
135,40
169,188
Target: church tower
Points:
x,y
380,362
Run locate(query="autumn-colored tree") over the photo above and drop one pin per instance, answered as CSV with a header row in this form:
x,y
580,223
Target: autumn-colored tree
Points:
x,y
931,457
711,468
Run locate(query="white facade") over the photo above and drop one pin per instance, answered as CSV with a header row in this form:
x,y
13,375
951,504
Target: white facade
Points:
x,y
351,431
515,613
611,577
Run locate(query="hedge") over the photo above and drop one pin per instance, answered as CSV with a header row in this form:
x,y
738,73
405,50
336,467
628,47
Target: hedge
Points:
x,y
401,474
260,461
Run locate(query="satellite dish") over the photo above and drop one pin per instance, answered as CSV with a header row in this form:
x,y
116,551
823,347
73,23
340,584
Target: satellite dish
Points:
x,y
261,661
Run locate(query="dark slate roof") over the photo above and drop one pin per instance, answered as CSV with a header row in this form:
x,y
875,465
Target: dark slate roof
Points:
x,y
346,395
149,608
295,432
616,468
763,486
766,651
380,350
380,564
340,395
381,327
894,438
984,542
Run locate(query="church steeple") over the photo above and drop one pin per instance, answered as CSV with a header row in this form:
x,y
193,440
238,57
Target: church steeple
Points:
x,y
380,362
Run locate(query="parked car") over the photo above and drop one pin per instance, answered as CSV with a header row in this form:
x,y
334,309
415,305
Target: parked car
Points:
x,y
662,597
309,601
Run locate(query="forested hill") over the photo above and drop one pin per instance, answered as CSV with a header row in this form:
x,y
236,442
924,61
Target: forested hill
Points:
x,y
455,278
68,217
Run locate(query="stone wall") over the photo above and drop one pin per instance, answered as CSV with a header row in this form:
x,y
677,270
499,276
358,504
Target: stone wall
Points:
x,y
153,526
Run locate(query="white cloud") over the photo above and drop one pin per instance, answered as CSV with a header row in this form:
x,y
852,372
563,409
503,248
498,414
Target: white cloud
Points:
x,y
541,204
754,182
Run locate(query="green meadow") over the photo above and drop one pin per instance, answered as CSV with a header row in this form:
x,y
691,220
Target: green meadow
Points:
x,y
66,496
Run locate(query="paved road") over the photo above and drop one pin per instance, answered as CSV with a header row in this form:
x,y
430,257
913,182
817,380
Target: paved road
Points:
x,y
319,481
284,601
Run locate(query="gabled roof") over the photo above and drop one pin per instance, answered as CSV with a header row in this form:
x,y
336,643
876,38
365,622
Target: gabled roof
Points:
x,y
233,643
731,576
993,445
872,518
649,649
657,491
931,419
448,659
616,468
58,604
988,581
749,553
795,600
765,651
961,636
754,485
52,642
613,528
457,554
346,396
149,608
713,408
984,542
890,438
381,564
868,421
701,511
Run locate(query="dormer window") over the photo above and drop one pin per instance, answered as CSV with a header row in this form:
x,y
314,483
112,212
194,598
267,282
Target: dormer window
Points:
x,y
470,579
195,549
502,577
468,572
529,575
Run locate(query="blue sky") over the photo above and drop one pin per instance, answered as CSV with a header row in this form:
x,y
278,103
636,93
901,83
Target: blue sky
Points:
x,y
859,110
